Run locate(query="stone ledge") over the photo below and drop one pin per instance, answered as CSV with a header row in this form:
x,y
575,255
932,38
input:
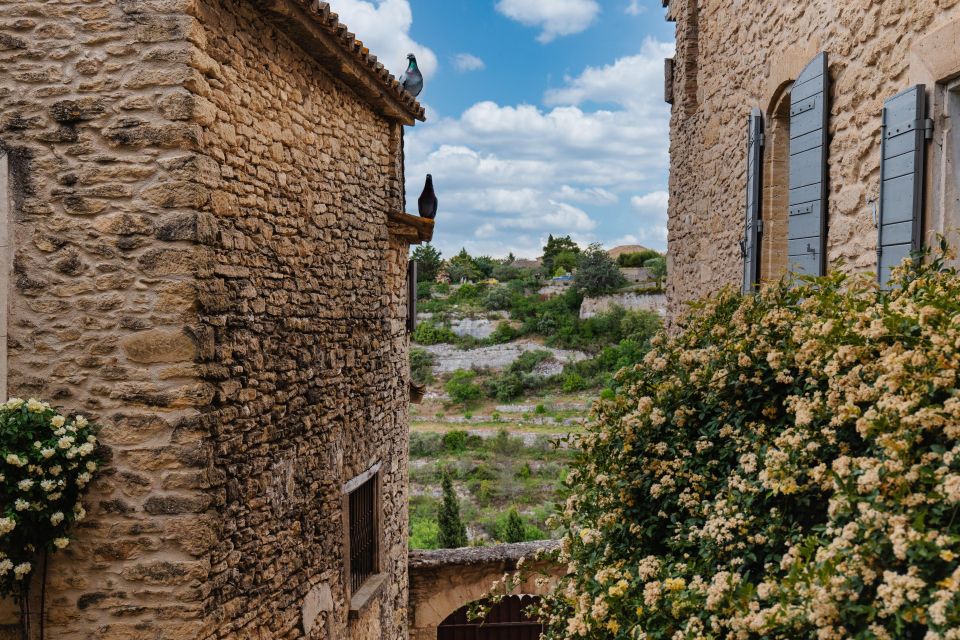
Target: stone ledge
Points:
x,y
366,594
466,556
412,228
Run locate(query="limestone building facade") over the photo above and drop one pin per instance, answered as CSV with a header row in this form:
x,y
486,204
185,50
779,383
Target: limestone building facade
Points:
x,y
781,114
208,254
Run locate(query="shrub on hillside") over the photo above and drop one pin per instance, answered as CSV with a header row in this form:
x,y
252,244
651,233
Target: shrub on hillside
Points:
x,y
428,333
497,298
462,388
455,441
788,466
421,366
503,333
424,289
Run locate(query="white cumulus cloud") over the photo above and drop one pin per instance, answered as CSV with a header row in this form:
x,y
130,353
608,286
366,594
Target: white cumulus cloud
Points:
x,y
619,82
591,162
384,27
635,8
464,62
554,17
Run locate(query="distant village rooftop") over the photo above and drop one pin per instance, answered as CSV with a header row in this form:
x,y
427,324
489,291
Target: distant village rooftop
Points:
x,y
318,30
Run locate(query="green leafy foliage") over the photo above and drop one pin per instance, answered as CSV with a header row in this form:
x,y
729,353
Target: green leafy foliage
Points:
x,y
786,466
455,441
428,333
421,366
462,388
498,298
555,247
597,273
424,290
657,268
429,261
452,533
514,531
462,268
46,462
637,259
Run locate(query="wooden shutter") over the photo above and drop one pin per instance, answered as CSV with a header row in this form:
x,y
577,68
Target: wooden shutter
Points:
x,y
750,246
901,178
411,296
809,116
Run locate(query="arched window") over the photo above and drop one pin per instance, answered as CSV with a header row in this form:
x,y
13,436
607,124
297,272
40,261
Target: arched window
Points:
x,y
507,620
776,187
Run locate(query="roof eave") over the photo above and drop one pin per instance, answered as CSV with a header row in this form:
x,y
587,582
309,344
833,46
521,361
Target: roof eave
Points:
x,y
318,31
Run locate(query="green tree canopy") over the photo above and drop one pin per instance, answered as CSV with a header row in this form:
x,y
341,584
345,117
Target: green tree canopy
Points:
x,y
428,259
597,273
554,247
462,267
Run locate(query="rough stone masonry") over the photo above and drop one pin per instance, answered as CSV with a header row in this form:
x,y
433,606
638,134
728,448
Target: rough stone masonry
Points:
x,y
202,261
733,56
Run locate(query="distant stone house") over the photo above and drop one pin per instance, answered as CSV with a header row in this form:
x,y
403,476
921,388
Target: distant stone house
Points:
x,y
809,135
202,221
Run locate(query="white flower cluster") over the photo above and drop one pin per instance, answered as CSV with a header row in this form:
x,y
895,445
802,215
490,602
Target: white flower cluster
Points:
x,y
46,459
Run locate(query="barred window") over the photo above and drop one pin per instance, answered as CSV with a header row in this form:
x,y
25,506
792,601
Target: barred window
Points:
x,y
363,525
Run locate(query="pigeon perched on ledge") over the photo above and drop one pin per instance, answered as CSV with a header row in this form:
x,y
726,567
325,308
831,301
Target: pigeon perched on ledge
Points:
x,y
412,79
427,203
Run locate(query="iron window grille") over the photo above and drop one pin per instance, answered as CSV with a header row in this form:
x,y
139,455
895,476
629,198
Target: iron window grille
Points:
x,y
363,534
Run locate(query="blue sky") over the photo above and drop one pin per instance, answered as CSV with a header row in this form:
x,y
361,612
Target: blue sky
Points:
x,y
544,116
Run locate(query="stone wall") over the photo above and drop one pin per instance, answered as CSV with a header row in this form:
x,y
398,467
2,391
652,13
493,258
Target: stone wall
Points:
x,y
444,580
733,56
202,264
102,307
656,302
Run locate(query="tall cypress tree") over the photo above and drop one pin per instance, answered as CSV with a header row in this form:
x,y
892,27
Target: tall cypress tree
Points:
x,y
514,531
453,533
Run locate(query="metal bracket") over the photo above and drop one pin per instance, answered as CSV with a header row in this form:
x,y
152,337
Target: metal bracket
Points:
x,y
797,211
803,108
926,125
759,227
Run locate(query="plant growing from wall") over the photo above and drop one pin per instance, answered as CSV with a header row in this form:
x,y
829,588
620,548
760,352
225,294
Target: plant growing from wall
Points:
x,y
46,461
787,466
453,533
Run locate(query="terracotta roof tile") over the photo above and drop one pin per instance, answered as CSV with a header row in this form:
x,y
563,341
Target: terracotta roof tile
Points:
x,y
329,22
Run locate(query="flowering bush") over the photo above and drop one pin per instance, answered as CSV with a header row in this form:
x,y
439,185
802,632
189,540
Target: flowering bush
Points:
x,y
786,467
46,460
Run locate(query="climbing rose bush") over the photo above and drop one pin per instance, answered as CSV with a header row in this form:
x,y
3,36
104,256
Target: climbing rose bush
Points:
x,y
788,466
46,460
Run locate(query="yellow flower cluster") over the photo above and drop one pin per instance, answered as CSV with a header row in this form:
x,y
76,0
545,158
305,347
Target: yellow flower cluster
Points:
x,y
786,466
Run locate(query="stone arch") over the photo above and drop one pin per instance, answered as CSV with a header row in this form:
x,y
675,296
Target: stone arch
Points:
x,y
776,184
441,582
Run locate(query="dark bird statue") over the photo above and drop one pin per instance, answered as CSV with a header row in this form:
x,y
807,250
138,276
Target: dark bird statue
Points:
x,y
412,79
427,202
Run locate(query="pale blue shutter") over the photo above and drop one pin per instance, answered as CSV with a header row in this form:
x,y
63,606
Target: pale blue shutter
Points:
x,y
750,246
809,118
901,179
